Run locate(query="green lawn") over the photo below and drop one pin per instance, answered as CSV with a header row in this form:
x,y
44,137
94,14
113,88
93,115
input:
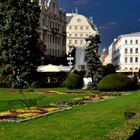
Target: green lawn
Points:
x,y
92,121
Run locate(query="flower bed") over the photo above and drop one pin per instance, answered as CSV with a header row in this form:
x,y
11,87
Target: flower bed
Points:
x,y
96,98
83,100
20,115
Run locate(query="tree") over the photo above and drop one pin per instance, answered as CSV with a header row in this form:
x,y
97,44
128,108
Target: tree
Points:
x,y
92,59
19,39
108,69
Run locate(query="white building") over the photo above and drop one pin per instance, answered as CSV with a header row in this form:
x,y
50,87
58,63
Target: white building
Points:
x,y
78,28
53,28
125,52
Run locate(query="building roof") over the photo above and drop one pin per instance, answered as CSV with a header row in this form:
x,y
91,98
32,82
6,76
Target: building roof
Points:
x,y
69,16
137,34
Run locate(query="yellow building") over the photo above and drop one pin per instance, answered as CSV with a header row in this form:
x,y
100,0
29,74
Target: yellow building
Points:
x,y
78,28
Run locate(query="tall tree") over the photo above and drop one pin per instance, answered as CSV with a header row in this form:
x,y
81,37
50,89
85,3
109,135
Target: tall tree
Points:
x,y
19,39
92,59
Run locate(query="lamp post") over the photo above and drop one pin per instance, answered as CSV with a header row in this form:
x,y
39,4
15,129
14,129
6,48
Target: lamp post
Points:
x,y
70,58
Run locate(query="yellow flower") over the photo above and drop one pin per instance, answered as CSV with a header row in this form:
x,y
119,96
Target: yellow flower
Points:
x,y
26,115
78,98
87,97
27,110
5,113
105,97
51,109
96,99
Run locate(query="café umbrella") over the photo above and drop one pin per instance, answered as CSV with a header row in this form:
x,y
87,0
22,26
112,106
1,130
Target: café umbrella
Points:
x,y
48,68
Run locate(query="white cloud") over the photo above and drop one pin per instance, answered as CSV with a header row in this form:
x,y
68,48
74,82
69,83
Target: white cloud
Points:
x,y
108,26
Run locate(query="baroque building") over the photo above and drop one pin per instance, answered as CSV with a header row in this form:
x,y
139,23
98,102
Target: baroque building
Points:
x,y
78,28
53,31
125,52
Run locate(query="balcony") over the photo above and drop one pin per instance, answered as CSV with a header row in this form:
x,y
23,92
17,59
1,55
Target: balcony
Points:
x,y
64,33
54,30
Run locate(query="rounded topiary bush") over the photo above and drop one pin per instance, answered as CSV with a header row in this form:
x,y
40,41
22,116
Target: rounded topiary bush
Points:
x,y
116,82
73,81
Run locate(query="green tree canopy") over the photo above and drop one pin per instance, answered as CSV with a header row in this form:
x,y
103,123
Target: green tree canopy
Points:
x,y
19,38
92,58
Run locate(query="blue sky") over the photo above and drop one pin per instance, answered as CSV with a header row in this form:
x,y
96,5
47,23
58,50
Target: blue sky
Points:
x,y
112,17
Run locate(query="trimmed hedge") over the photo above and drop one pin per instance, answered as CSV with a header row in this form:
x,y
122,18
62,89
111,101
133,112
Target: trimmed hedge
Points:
x,y
116,82
73,81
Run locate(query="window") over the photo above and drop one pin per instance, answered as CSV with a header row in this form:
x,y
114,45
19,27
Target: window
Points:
x,y
136,41
125,68
81,35
136,50
136,59
81,28
78,20
87,27
125,41
125,59
70,41
131,68
70,27
125,50
75,35
81,42
131,59
55,52
75,41
76,27
70,35
131,41
44,35
131,50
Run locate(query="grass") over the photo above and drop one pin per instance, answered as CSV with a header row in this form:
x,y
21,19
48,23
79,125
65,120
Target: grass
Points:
x,y
92,121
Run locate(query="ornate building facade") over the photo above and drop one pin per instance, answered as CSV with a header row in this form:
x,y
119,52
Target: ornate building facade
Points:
x,y
78,28
53,30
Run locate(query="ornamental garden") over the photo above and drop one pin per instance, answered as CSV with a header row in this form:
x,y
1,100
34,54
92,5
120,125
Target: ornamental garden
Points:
x,y
53,113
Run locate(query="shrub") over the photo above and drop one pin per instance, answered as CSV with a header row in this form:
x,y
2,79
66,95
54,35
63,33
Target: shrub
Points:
x,y
108,69
91,85
73,81
116,82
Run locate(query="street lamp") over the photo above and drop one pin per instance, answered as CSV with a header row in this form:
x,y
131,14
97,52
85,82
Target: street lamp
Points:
x,y
70,58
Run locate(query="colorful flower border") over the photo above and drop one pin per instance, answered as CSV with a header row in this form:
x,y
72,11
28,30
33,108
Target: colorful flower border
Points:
x,y
21,115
